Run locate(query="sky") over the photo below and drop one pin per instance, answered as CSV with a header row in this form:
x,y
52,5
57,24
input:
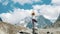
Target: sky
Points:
x,y
12,11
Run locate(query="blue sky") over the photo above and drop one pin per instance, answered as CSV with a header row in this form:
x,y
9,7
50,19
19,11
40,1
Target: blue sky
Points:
x,y
6,8
16,10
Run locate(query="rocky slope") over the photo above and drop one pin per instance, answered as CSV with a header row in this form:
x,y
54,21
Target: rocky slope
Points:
x,y
6,28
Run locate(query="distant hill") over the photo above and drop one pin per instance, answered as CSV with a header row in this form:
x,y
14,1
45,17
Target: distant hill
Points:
x,y
57,23
41,21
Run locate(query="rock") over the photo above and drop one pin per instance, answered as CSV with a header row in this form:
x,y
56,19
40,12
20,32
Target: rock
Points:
x,y
6,28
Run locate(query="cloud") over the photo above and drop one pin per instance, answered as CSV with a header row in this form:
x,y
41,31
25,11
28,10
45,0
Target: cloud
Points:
x,y
56,2
22,2
4,2
14,17
6,17
48,11
0,0
17,16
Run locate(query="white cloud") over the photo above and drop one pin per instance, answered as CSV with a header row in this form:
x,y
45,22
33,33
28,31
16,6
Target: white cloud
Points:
x,y
36,0
56,2
14,17
17,16
22,2
48,11
6,17
0,0
4,2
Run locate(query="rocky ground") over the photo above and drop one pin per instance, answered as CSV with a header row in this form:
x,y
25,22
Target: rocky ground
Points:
x,y
49,31
6,28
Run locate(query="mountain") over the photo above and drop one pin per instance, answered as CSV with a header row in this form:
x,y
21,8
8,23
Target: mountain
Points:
x,y
41,21
57,23
0,19
27,22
